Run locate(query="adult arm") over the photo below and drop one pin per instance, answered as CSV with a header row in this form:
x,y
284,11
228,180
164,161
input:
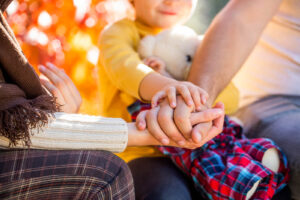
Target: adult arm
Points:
x,y
228,42
84,132
76,131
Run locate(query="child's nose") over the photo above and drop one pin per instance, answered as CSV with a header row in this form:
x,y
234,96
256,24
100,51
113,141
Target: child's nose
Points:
x,y
170,2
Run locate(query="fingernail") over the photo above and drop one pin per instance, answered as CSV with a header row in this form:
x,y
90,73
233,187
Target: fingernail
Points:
x,y
165,141
41,68
173,104
141,124
50,65
181,143
198,108
190,103
219,112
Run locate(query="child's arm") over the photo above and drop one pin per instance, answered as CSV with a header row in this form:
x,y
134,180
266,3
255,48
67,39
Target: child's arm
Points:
x,y
128,73
189,91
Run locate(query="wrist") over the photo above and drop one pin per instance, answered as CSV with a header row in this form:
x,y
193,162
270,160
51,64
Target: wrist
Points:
x,y
139,138
153,83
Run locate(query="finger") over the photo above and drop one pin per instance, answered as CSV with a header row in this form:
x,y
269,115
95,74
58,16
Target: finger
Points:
x,y
209,132
152,64
158,64
155,99
219,105
204,96
186,95
53,90
196,98
141,120
146,61
165,120
171,93
154,128
66,79
206,115
182,115
219,122
59,85
200,133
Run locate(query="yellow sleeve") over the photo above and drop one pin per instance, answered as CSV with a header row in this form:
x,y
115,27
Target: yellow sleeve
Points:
x,y
230,97
119,57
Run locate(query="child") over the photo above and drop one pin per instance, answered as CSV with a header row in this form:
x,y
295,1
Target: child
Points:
x,y
230,166
123,76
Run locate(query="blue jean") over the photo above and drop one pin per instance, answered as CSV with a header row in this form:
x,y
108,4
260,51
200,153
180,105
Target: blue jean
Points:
x,y
278,118
159,179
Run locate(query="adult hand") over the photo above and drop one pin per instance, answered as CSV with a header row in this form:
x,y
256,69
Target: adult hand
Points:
x,y
203,132
61,87
164,126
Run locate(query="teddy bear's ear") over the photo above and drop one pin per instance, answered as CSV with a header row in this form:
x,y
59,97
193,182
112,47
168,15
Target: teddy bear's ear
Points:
x,y
146,46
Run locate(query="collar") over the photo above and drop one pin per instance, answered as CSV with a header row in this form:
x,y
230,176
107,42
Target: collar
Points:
x,y
146,30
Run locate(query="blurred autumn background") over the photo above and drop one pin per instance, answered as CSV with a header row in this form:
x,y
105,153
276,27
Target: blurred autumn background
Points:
x,y
66,32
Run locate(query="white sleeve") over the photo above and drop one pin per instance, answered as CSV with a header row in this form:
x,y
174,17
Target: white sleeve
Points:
x,y
78,132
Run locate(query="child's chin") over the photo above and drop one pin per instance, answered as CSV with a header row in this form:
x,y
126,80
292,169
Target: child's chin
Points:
x,y
166,24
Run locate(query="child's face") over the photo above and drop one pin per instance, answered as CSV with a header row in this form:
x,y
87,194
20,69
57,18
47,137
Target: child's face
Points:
x,y
163,13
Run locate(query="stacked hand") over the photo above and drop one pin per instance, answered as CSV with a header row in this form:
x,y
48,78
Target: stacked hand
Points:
x,y
175,125
180,125
171,119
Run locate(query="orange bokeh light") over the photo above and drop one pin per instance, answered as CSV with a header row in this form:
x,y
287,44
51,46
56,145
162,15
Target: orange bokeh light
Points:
x,y
66,33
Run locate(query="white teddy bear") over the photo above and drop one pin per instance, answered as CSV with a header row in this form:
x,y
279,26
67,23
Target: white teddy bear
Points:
x,y
173,50
171,53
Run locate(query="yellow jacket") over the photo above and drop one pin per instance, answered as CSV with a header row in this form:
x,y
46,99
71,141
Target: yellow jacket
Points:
x,y
121,71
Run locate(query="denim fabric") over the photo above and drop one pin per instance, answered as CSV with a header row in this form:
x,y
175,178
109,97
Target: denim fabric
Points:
x,y
278,118
160,179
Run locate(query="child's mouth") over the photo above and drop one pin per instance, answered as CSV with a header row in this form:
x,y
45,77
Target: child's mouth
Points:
x,y
167,12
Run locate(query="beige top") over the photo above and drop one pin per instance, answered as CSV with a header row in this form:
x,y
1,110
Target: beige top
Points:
x,y
79,132
274,65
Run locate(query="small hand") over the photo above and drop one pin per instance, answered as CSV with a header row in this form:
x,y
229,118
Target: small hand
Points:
x,y
156,64
193,95
61,87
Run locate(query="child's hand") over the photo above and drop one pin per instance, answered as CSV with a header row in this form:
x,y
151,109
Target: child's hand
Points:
x,y
156,64
193,95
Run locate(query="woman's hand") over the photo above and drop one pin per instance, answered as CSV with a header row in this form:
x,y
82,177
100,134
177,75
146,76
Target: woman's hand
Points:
x,y
61,87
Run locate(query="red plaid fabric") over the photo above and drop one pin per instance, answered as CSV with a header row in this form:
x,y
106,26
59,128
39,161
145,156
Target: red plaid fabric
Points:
x,y
228,166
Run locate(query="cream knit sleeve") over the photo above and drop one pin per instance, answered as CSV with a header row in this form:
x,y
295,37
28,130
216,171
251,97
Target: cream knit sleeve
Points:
x,y
79,132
